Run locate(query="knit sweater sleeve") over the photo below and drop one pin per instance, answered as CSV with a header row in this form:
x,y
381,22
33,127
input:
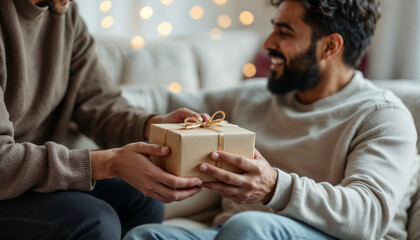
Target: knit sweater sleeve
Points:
x,y
379,167
100,111
41,168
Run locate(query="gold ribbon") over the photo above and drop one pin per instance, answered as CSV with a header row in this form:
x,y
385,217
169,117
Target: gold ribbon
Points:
x,y
207,124
192,122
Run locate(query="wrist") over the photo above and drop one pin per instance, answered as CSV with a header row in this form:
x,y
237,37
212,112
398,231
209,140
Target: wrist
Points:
x,y
103,164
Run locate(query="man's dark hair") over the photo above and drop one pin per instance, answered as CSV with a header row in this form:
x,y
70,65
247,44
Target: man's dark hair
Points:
x,y
354,20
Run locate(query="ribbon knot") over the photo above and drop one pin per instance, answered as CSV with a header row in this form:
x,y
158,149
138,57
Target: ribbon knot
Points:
x,y
192,122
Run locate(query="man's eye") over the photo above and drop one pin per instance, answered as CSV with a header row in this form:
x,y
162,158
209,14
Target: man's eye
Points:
x,y
283,34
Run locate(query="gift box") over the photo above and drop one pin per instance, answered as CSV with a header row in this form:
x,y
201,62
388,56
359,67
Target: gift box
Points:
x,y
192,145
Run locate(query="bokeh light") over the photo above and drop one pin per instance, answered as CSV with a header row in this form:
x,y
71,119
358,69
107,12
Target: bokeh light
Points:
x,y
166,2
137,42
196,12
175,87
220,2
146,12
107,22
224,21
165,28
216,33
249,70
246,18
105,6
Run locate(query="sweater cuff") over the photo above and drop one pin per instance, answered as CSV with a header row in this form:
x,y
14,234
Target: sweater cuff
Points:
x,y
81,164
283,191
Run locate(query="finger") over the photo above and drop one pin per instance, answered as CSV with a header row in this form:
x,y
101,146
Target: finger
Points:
x,y
205,116
166,194
221,174
257,154
185,112
151,149
233,159
175,182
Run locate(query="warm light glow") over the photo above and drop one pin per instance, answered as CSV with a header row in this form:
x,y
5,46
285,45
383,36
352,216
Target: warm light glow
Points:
x,y
105,6
249,70
107,22
216,33
246,18
166,2
165,28
224,21
137,42
175,87
146,12
196,12
220,2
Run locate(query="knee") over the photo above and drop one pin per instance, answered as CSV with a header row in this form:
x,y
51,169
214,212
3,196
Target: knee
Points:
x,y
249,220
92,218
147,231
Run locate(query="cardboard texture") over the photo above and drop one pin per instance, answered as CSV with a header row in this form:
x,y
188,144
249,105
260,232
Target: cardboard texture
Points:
x,y
190,147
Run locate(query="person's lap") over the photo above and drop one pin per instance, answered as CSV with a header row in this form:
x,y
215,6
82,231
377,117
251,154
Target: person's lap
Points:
x,y
109,211
246,225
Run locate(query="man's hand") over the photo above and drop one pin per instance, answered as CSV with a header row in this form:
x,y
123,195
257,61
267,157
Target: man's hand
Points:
x,y
132,164
255,185
176,116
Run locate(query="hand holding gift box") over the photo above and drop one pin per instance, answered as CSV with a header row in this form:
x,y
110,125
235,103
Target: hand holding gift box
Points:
x,y
192,142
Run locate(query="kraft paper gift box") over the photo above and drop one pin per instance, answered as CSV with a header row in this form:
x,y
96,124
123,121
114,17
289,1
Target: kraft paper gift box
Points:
x,y
190,147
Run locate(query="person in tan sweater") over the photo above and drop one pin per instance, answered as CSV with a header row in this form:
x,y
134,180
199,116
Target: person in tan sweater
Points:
x,y
336,154
50,76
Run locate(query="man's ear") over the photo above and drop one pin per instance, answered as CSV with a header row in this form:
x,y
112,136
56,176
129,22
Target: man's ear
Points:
x,y
332,45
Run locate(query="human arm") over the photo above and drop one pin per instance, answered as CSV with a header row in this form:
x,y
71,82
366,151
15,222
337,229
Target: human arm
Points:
x,y
378,168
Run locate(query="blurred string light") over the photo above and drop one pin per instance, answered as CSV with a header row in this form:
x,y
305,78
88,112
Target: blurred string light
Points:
x,y
220,2
246,18
175,87
196,12
105,6
249,70
107,22
146,12
166,2
137,42
165,28
216,33
224,21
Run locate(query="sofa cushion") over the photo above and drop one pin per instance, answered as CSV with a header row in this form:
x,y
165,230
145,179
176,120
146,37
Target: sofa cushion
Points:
x,y
409,92
162,62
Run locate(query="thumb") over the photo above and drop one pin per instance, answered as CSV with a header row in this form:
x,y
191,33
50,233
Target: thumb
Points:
x,y
151,149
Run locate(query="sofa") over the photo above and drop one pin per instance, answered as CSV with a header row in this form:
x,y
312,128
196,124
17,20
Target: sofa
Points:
x,y
202,62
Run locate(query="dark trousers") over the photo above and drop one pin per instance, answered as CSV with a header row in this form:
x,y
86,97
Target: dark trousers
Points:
x,y
108,212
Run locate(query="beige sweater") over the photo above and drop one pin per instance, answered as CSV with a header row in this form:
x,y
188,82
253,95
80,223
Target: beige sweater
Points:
x,y
50,76
345,161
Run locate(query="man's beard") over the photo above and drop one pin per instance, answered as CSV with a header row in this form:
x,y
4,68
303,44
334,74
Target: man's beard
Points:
x,y
55,6
300,73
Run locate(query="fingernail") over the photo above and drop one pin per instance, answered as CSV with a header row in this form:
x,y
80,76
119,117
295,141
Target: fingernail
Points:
x,y
214,155
164,149
200,118
203,168
198,183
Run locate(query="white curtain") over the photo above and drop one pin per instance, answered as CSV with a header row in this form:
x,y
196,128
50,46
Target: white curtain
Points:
x,y
395,50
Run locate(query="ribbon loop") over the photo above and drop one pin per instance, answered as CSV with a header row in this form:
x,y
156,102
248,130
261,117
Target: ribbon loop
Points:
x,y
192,122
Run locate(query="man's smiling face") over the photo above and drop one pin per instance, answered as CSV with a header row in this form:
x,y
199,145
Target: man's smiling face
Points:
x,y
293,52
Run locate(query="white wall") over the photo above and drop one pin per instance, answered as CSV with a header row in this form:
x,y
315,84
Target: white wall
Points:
x,y
395,50
127,22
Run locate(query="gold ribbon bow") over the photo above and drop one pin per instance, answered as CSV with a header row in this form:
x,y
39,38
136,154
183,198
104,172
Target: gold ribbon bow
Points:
x,y
192,122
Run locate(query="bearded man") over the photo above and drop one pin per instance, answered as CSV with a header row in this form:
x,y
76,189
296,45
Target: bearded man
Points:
x,y
50,76
335,153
